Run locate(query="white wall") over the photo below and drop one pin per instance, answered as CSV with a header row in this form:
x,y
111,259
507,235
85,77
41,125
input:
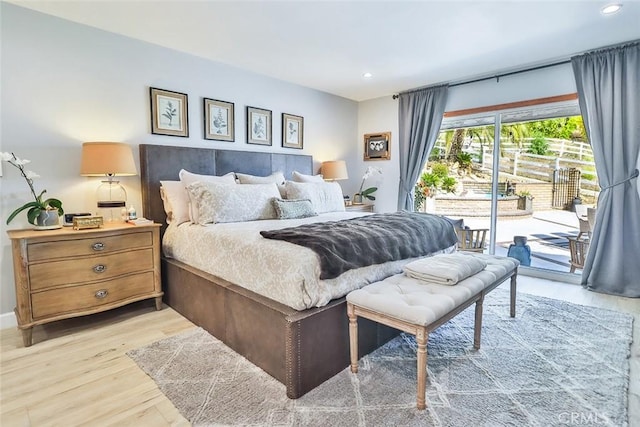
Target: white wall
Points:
x,y
64,84
553,81
375,116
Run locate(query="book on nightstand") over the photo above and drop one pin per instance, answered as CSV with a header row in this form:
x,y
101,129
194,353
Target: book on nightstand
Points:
x,y
140,221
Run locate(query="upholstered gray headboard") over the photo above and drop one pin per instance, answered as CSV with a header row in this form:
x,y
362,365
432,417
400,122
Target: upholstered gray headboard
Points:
x,y
162,162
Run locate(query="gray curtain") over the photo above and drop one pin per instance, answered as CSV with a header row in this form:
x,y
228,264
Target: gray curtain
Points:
x,y
419,118
608,83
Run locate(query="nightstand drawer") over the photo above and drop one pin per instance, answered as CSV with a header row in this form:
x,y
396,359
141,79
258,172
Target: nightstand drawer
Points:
x,y
89,269
88,246
84,297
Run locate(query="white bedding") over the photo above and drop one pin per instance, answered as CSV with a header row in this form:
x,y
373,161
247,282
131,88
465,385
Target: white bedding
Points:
x,y
282,271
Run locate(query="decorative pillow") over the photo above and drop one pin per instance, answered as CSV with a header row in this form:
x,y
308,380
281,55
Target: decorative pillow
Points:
x,y
300,177
223,202
188,178
324,196
176,201
276,177
291,209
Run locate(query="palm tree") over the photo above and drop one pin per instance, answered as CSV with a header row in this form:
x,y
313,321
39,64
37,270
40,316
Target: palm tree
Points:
x,y
456,144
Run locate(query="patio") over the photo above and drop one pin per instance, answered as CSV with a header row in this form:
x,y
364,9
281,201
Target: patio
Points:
x,y
546,231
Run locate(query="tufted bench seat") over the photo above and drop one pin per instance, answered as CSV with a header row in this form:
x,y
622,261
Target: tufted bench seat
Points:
x,y
417,307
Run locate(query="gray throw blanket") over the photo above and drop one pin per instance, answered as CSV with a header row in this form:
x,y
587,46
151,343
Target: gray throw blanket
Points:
x,y
372,239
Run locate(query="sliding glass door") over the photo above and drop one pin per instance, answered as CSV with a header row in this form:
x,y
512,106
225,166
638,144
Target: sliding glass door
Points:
x,y
527,177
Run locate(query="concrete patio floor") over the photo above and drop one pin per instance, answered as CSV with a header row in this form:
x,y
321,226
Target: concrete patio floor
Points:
x,y
546,233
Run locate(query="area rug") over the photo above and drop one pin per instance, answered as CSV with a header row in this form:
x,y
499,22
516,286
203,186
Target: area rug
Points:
x,y
554,364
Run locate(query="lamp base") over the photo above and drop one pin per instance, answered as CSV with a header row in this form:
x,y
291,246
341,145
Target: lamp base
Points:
x,y
112,201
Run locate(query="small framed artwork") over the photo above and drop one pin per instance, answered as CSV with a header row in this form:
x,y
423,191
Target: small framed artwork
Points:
x,y
169,113
258,126
292,131
219,123
377,146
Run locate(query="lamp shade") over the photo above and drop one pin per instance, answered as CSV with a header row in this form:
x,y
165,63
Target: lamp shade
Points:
x,y
107,158
334,170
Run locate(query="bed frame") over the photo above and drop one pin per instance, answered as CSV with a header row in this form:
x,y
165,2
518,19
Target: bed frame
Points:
x,y
301,349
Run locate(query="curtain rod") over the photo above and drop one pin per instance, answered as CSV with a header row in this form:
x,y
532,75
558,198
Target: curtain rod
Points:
x,y
497,76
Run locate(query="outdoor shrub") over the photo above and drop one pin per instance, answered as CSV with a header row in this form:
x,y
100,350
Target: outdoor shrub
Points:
x,y
436,180
464,160
449,184
440,170
431,180
418,198
539,146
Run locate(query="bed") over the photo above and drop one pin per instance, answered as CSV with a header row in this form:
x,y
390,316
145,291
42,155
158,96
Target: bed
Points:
x,y
301,348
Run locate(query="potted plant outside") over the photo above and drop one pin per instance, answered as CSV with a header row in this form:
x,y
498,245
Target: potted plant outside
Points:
x,y
525,201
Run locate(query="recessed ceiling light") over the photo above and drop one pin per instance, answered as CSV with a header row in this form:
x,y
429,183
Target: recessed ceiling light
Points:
x,y
367,75
611,8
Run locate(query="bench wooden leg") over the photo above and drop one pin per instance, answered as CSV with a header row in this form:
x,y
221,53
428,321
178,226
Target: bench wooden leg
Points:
x,y
513,295
353,337
421,337
477,327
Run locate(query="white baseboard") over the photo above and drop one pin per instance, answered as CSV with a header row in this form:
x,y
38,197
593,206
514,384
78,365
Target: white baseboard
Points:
x,y
558,276
8,320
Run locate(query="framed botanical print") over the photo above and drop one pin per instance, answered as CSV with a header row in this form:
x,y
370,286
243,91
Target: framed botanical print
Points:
x,y
292,131
169,113
219,122
258,126
377,146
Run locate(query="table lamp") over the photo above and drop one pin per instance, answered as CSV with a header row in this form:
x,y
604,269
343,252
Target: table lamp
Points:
x,y
334,170
108,159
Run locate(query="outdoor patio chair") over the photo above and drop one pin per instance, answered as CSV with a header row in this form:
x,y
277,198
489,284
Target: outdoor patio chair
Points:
x,y
583,219
591,217
578,250
471,240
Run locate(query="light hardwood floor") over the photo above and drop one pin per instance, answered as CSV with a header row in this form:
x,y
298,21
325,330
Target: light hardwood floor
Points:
x,y
77,372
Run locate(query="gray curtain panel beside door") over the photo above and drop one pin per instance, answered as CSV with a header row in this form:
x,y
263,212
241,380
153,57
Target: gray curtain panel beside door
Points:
x,y
608,83
420,115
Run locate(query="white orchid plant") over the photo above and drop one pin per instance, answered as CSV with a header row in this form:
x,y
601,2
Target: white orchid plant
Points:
x,y
368,193
37,205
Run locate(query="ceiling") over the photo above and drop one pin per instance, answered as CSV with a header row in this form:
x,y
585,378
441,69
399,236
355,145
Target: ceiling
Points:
x,y
328,45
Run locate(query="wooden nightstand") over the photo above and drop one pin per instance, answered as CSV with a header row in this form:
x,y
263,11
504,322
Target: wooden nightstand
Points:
x,y
359,208
67,273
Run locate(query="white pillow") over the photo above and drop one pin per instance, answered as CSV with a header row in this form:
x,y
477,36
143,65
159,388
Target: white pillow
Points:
x,y
300,177
222,202
176,201
276,177
188,178
324,196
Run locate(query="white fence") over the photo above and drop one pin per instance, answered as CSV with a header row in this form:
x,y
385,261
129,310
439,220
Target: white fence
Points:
x,y
515,161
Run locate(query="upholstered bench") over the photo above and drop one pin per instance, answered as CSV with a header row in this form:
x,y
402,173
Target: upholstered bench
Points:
x,y
417,307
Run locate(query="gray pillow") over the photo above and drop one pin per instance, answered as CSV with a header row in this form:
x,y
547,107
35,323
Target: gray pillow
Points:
x,y
293,208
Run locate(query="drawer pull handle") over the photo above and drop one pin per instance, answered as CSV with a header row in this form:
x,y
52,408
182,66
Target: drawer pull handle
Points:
x,y
100,268
102,293
97,246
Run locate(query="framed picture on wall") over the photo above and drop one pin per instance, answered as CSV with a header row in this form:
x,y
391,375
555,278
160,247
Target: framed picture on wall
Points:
x,y
169,113
377,146
292,131
219,122
258,126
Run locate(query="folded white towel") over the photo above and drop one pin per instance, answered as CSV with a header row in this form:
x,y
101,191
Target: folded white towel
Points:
x,y
444,269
